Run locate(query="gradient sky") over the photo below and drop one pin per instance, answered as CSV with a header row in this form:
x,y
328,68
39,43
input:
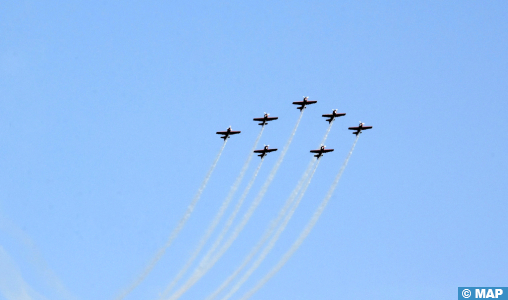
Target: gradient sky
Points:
x,y
108,114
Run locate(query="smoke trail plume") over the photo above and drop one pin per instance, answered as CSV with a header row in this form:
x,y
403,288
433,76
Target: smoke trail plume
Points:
x,y
42,267
12,284
232,216
175,231
207,263
327,132
268,232
271,228
274,239
217,217
305,231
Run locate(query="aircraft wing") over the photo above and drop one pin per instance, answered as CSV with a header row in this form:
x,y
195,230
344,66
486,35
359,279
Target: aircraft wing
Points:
x,y
222,132
360,128
259,119
327,150
315,151
264,151
328,115
234,132
302,102
271,118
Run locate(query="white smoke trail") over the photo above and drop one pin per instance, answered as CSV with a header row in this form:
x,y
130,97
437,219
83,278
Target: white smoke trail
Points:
x,y
268,232
327,132
272,226
12,284
274,239
232,216
305,231
36,257
217,217
175,231
207,263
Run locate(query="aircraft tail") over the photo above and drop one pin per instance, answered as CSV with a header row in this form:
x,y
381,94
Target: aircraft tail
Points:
x,y
262,124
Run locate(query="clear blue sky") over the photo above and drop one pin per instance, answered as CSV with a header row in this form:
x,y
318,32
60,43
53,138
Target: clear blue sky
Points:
x,y
108,114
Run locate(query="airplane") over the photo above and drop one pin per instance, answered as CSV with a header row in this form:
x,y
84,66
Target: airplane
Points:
x,y
265,119
227,133
320,151
333,115
304,103
359,128
264,151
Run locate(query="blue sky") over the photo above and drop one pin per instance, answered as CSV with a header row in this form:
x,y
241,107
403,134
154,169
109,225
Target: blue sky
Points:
x,y
108,117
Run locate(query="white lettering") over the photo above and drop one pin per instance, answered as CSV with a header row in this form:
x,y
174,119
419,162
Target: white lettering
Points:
x,y
480,293
499,292
490,294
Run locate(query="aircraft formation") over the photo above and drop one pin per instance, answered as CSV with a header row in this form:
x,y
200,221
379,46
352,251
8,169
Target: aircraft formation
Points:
x,y
302,105
229,233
